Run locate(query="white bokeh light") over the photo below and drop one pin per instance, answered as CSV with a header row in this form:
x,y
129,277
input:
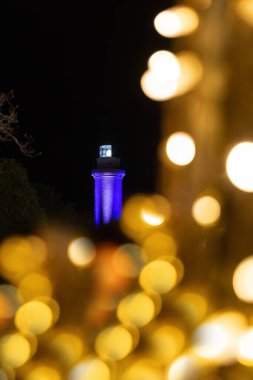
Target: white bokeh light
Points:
x,y
155,88
171,75
81,252
165,64
180,148
239,166
217,339
242,280
160,81
206,210
176,21
245,352
210,341
184,367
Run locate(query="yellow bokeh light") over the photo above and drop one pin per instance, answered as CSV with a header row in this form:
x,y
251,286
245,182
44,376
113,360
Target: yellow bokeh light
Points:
x,y
131,212
8,374
131,221
245,352
239,166
155,210
34,317
19,256
14,350
143,369
54,307
244,9
114,343
159,244
34,285
44,373
81,252
191,72
68,347
128,259
180,148
176,21
38,246
165,343
136,309
9,301
185,367
206,211
192,305
159,276
6,309
90,369
52,304
242,280
141,213
4,376
151,218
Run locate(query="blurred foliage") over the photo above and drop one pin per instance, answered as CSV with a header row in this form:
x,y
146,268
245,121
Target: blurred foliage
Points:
x,y
20,211
56,209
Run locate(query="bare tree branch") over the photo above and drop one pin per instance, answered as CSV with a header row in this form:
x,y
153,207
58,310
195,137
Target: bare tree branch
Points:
x,y
9,125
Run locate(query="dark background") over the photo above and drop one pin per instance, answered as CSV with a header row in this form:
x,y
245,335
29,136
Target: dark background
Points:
x,y
75,68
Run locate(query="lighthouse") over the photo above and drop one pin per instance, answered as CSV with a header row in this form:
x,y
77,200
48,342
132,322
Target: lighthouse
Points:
x,y
108,187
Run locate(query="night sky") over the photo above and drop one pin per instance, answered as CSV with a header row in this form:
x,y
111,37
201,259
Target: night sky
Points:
x,y
75,70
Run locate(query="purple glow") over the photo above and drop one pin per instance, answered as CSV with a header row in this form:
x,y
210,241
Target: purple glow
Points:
x,y
108,195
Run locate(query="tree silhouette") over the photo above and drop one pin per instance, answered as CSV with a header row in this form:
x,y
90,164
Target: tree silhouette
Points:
x,y
9,124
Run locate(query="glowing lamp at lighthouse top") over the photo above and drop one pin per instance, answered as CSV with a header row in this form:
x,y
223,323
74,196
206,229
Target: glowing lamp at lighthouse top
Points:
x,y
105,151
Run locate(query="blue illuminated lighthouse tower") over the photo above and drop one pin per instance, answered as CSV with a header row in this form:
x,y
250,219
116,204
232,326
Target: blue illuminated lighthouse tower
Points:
x,y
108,187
